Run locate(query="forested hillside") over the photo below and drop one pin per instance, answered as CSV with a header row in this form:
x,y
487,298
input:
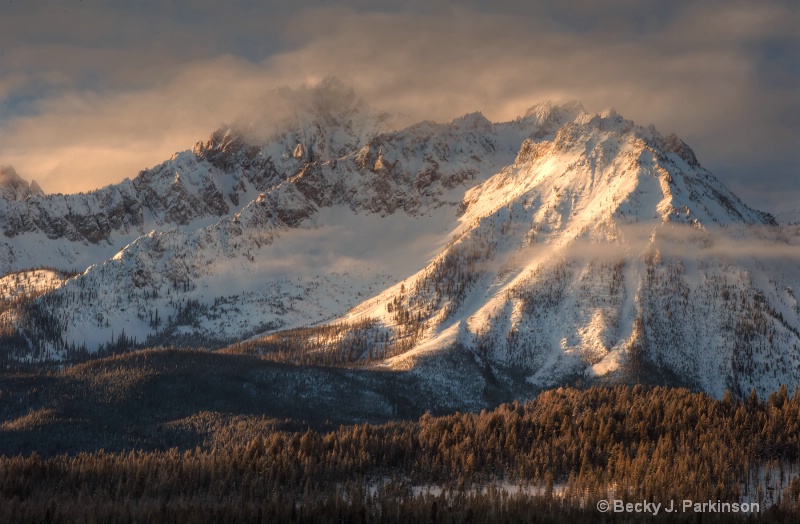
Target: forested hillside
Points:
x,y
550,459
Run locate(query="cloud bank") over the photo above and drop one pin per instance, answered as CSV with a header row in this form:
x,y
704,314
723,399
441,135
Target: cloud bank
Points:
x,y
92,95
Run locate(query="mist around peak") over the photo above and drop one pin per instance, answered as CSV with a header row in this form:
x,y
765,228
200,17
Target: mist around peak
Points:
x,y
14,187
327,107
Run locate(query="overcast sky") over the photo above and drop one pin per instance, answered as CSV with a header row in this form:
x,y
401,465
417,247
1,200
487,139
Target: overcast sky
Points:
x,y
92,92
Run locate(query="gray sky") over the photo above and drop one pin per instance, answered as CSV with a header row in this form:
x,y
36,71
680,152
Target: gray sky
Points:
x,y
92,92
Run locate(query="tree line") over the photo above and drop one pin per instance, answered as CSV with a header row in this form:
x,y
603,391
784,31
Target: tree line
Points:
x,y
565,449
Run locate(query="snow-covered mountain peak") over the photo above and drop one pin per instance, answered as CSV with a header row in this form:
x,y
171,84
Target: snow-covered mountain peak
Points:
x,y
36,188
472,122
601,168
546,114
609,112
672,144
789,217
14,188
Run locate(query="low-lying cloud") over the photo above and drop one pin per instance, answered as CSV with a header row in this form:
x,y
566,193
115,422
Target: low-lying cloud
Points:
x,y
735,245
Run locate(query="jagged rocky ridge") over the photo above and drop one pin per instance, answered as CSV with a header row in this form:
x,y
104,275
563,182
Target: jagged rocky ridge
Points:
x,y
13,188
562,246
193,189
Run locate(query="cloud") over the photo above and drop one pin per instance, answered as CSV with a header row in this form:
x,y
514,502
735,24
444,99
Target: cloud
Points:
x,y
738,245
696,69
81,140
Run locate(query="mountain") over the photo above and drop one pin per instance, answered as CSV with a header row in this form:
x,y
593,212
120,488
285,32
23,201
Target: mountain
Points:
x,y
789,217
14,188
790,220
193,189
560,247
228,273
